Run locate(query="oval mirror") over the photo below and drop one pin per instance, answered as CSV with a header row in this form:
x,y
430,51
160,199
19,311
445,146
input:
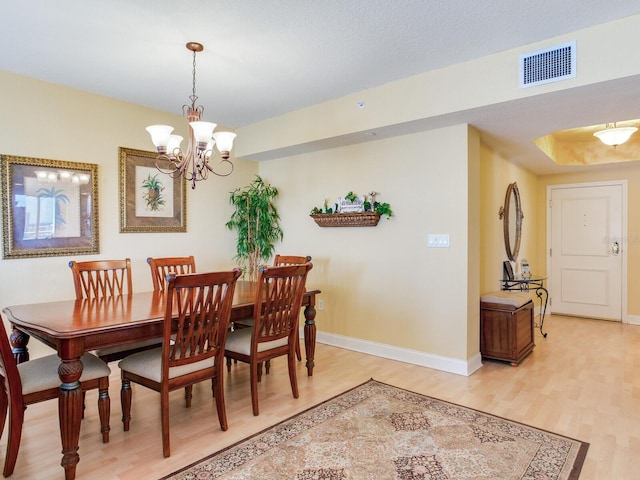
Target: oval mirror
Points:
x,y
512,221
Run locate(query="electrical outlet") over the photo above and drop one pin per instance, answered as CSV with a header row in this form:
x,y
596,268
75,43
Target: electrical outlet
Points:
x,y
320,304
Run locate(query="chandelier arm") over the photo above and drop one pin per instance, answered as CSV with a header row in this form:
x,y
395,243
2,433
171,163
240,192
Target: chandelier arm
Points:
x,y
172,166
222,160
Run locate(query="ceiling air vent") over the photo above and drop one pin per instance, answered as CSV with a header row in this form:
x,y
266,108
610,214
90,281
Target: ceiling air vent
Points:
x,y
548,65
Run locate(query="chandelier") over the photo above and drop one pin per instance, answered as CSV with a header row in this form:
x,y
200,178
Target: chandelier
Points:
x,y
613,135
193,164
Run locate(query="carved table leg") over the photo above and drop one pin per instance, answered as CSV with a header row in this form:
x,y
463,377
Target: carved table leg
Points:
x,y
19,341
70,413
310,334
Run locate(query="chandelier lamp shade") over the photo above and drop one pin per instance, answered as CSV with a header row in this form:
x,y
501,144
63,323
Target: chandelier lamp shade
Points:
x,y
192,164
613,135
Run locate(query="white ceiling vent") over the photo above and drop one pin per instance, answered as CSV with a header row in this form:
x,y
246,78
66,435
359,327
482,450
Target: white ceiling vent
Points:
x,y
548,65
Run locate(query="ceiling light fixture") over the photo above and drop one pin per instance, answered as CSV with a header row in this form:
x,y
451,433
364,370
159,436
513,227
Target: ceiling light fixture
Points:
x,y
613,135
193,164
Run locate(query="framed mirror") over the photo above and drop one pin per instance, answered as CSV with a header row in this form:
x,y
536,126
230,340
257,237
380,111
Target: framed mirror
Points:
x,y
511,215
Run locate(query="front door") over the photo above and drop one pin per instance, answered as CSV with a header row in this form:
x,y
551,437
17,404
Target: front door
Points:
x,y
586,250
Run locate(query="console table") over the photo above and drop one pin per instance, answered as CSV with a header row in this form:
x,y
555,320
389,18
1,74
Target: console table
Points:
x,y
525,284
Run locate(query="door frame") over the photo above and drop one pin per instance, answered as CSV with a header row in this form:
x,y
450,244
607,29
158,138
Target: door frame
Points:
x,y
624,240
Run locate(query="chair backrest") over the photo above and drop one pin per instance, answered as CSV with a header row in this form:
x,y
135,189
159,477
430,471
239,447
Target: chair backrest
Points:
x,y
9,375
101,278
161,267
280,260
198,309
281,288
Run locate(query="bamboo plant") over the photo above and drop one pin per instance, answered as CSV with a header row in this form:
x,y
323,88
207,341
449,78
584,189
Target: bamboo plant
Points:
x,y
257,223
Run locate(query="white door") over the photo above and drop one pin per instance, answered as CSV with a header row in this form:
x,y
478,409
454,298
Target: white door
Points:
x,y
586,251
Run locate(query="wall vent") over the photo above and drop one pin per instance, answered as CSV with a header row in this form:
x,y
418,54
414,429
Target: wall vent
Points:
x,y
548,65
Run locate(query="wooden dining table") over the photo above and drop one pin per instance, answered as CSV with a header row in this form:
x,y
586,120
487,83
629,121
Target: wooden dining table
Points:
x,y
73,327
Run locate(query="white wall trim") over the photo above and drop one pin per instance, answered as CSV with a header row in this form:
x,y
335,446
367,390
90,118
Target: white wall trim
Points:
x,y
438,362
633,319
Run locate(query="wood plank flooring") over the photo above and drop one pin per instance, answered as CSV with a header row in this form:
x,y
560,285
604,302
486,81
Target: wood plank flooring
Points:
x,y
582,381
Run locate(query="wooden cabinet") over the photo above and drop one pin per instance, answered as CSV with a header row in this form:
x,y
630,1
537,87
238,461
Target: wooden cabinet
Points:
x,y
506,329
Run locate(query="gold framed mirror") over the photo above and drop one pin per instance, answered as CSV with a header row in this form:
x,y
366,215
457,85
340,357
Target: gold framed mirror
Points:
x,y
511,215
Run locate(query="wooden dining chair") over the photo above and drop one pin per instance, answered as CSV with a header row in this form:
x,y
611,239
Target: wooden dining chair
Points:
x,y
196,323
161,267
36,381
278,261
103,278
275,326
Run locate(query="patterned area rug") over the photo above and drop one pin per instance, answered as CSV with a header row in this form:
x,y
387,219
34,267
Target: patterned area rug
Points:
x,y
377,431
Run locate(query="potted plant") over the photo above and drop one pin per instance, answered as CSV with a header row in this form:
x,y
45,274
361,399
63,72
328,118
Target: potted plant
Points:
x,y
257,223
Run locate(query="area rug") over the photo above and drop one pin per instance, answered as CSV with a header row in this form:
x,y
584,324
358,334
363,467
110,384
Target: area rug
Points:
x,y
377,431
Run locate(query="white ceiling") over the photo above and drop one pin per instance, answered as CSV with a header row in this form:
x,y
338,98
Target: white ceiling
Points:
x,y
266,57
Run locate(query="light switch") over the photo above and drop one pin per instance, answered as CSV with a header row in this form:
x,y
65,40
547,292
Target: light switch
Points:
x,y
440,240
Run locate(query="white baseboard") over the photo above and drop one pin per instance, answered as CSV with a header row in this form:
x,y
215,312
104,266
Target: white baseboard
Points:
x,y
633,319
438,362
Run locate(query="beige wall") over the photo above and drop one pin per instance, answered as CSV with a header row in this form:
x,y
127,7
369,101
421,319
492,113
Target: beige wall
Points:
x,y
383,284
42,120
496,174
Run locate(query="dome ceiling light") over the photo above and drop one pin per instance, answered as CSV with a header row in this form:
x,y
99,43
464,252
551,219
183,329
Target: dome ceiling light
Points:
x,y
613,135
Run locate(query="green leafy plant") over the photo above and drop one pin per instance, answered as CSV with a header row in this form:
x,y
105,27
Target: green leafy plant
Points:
x,y
256,222
350,196
382,209
153,193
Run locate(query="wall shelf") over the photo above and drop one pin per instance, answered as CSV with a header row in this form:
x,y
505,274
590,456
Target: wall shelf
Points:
x,y
360,219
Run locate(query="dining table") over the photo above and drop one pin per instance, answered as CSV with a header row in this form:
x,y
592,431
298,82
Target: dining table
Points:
x,y
74,327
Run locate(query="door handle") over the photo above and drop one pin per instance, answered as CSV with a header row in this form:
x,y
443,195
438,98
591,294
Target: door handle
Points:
x,y
615,248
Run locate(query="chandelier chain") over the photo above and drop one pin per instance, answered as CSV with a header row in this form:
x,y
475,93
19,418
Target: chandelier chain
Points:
x,y
193,96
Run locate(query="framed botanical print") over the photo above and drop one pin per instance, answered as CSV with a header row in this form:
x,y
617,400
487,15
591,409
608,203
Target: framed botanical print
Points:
x,y
150,201
49,207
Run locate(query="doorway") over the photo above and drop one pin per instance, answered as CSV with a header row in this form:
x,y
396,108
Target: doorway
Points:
x,y
586,225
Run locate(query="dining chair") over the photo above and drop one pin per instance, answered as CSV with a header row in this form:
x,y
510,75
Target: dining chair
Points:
x,y
161,267
36,381
102,278
278,261
275,326
196,323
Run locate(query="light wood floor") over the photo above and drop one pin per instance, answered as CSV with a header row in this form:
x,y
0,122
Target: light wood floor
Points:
x,y
582,381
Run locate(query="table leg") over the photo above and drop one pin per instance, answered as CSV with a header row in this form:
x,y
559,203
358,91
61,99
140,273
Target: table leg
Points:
x,y
310,334
70,413
540,291
19,341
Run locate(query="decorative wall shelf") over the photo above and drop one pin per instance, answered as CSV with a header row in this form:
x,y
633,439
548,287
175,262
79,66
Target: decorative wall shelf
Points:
x,y
361,219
